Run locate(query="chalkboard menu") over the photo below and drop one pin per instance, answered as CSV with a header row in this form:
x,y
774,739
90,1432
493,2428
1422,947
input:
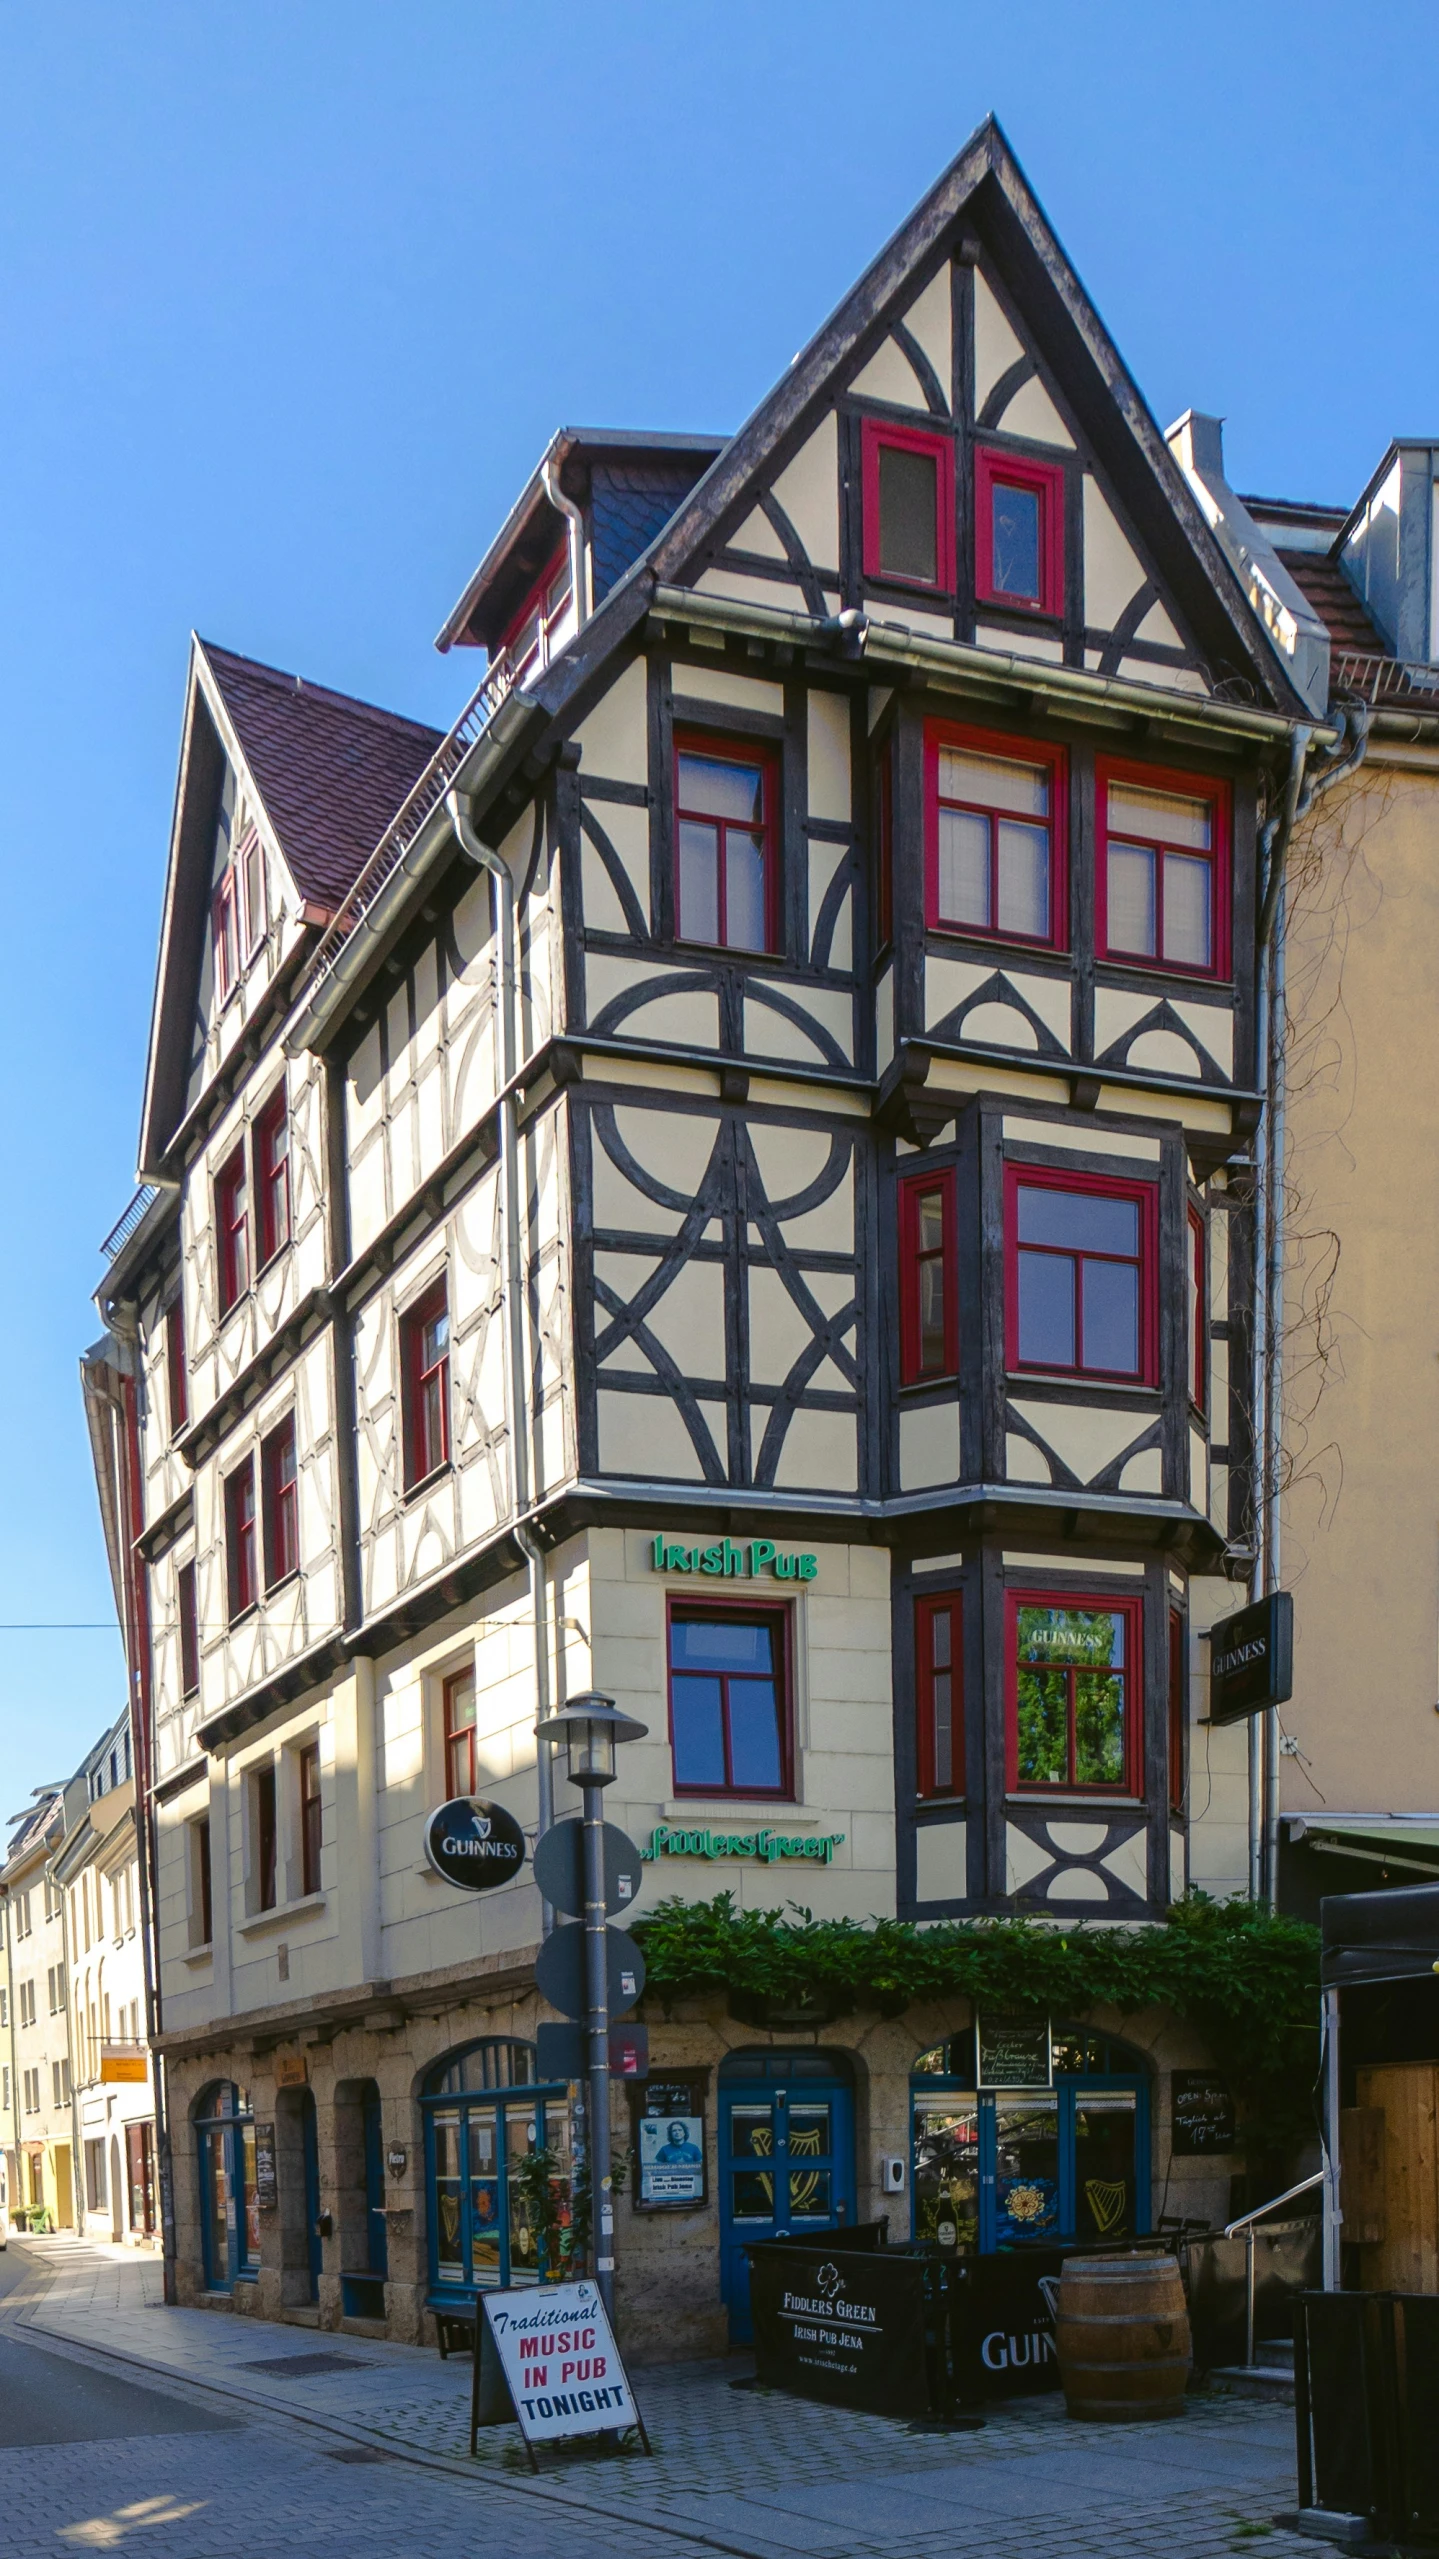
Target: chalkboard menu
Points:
x,y
1014,2052
1201,2114
267,2183
669,2125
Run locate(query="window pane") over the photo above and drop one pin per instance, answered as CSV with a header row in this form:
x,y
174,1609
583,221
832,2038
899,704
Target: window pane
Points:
x,y
1098,1728
1161,815
699,882
943,1726
963,868
931,1221
745,921
1088,1638
717,787
931,1314
1042,1728
908,513
462,1706
1026,2186
994,782
1187,936
698,1732
1111,1316
1081,1221
1130,925
722,1643
1023,879
1016,540
754,1733
1046,1310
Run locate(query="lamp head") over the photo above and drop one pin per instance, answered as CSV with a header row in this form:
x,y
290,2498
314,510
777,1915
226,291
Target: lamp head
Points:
x,y
590,1726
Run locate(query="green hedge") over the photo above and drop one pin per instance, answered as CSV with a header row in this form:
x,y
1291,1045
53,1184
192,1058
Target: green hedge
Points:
x,y
1246,1978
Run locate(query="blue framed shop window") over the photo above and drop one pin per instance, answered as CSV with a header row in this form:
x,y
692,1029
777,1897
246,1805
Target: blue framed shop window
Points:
x,y
1066,2163
493,2220
229,2192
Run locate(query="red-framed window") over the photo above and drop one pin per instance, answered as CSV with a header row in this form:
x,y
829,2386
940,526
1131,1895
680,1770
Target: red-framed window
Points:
x,y
232,1229
938,1696
994,835
928,1278
272,1177
241,1559
884,842
1177,1716
204,1880
225,933
1074,1693
280,1502
250,864
187,1609
1196,1277
177,1382
1081,1274
267,1837
1162,892
729,1700
311,1817
1018,532
425,1383
907,480
528,638
726,843
462,1768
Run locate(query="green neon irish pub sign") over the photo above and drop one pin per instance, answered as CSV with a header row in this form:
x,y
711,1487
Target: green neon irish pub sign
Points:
x,y
749,1557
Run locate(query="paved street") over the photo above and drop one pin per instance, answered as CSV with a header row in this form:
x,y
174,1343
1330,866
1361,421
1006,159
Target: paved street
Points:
x,y
127,2426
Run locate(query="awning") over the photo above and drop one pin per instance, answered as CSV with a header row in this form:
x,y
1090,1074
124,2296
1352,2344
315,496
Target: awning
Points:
x,y
1408,1849
1380,1936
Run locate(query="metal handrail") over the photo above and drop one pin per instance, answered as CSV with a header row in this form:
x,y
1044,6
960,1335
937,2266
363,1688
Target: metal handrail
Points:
x,y
121,1232
1246,2222
1274,2203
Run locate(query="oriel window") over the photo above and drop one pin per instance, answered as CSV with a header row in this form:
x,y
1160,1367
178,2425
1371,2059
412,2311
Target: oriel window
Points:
x,y
1080,1275
929,1295
994,827
1164,872
1073,1693
1198,1296
726,835
908,500
939,1696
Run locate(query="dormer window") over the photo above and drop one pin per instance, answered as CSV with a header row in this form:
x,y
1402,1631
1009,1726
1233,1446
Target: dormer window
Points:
x,y
533,636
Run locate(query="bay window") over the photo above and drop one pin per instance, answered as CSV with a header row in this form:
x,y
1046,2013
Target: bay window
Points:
x,y
1073,1693
1081,1274
939,1697
1163,869
929,1295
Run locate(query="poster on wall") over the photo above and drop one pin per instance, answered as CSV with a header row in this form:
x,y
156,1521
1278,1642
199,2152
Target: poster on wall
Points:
x,y
670,2143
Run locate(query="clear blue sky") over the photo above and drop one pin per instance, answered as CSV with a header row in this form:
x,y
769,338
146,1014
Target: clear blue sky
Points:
x,y
292,296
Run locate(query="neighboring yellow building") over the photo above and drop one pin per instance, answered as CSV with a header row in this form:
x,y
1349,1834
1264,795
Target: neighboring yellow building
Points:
x,y
1358,1768
36,2039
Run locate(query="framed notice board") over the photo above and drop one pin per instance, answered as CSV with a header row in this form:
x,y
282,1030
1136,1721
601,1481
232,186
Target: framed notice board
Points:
x,y
1201,2115
671,2152
1014,2052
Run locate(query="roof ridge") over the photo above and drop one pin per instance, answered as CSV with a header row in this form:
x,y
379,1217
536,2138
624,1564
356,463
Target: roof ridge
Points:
x,y
303,685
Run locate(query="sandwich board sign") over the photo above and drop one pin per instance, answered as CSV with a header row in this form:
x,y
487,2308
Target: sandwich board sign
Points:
x,y
558,2364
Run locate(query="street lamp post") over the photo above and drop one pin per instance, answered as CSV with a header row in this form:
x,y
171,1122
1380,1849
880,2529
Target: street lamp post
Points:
x,y
591,1726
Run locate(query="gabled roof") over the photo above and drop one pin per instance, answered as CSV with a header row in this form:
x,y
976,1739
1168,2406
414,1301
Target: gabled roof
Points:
x,y
327,772
330,771
985,195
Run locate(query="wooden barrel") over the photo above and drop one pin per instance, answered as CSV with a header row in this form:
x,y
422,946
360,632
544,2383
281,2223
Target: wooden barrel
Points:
x,y
1122,2333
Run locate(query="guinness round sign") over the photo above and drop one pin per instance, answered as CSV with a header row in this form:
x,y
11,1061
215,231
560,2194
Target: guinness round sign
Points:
x,y
474,1845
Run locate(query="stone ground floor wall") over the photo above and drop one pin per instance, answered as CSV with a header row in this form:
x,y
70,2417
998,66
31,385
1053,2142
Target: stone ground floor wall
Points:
x,y
668,2278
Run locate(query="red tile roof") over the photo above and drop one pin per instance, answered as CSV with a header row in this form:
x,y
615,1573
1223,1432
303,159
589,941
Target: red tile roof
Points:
x,y
1324,583
331,771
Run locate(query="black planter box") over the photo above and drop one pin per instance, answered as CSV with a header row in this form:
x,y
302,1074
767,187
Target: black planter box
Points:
x,y
900,2332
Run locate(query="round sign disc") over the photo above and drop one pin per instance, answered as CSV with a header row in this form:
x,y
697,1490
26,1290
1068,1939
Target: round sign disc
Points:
x,y
560,1868
473,1844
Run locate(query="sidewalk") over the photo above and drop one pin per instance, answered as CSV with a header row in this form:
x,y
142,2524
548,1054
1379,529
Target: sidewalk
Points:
x,y
746,2472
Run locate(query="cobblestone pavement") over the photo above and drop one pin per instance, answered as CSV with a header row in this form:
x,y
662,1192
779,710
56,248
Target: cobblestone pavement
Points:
x,y
374,2456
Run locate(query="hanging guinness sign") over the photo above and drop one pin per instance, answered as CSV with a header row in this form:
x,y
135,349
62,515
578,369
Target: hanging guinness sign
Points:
x,y
474,1845
1251,1659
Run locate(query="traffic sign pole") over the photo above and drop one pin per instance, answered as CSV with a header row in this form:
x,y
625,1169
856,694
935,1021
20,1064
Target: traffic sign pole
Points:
x,y
597,2025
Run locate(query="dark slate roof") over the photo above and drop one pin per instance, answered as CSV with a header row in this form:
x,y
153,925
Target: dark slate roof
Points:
x,y
331,771
1339,608
630,502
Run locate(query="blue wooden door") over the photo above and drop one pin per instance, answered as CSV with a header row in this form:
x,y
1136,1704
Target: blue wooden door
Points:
x,y
786,2162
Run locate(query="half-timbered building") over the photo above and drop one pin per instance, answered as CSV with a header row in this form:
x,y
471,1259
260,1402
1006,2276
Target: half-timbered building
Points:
x,y
723,1180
